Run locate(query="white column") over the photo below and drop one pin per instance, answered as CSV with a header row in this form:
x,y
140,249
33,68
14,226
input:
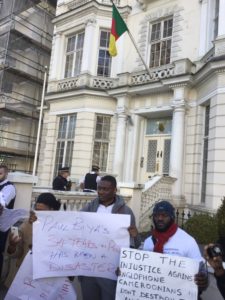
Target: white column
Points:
x,y
132,158
203,25
56,58
177,142
88,49
119,155
221,25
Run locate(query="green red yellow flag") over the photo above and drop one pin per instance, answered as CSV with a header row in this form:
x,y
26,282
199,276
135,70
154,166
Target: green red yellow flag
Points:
x,y
117,29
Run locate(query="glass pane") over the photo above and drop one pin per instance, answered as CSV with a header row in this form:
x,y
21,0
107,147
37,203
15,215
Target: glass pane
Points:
x,y
80,41
155,35
104,39
69,65
168,28
62,128
96,154
159,126
71,129
69,153
71,44
78,62
104,156
155,55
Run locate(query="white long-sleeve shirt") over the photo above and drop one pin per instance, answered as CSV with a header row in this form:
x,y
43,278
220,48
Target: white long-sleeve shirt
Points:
x,y
7,193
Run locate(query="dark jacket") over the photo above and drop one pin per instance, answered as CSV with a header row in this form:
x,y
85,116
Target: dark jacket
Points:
x,y
119,207
220,280
60,183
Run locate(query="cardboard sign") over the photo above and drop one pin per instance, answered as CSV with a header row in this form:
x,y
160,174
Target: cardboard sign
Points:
x,y
78,243
149,275
25,288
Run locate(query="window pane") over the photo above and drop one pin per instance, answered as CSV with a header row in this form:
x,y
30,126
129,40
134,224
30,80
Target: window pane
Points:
x,y
160,52
65,141
159,126
156,28
62,128
74,55
78,63
71,44
155,55
168,27
101,143
104,59
80,41
69,65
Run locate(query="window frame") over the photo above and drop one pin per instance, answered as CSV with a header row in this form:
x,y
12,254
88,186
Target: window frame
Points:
x,y
102,48
68,138
160,60
101,162
69,73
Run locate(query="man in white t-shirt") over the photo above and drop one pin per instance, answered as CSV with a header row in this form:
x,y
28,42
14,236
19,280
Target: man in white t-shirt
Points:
x,y
168,238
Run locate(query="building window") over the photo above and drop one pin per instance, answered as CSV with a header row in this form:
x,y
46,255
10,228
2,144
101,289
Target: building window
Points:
x,y
65,141
104,59
101,142
74,54
216,19
205,153
160,40
159,126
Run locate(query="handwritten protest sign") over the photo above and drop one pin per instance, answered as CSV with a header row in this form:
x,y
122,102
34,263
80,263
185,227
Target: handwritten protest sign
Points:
x,y
78,243
25,288
149,275
10,216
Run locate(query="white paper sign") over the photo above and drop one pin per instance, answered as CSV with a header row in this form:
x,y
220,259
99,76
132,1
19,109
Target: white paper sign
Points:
x,y
149,275
10,216
78,243
25,288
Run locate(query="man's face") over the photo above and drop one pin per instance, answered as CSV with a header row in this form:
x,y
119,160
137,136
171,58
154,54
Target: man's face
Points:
x,y
106,191
65,174
42,206
3,174
162,221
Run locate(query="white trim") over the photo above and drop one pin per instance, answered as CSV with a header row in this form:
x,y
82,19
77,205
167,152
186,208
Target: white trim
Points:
x,y
207,97
77,110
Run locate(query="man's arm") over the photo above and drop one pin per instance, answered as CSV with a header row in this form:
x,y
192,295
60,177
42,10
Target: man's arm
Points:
x,y
219,272
8,193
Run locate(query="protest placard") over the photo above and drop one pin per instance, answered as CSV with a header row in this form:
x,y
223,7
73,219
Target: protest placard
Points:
x,y
24,287
150,275
10,216
78,243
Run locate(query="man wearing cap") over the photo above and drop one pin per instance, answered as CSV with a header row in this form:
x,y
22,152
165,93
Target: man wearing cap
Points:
x,y
168,238
90,180
61,182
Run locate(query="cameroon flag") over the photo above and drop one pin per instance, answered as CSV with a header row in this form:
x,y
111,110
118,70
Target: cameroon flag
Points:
x,y
117,29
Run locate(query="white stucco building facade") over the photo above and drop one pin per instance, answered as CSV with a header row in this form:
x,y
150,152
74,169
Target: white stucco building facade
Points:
x,y
111,112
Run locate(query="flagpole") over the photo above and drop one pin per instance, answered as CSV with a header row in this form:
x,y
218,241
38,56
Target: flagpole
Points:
x,y
138,51
39,122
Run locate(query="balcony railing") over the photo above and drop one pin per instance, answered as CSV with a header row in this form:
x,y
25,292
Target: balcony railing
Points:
x,y
76,3
107,83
